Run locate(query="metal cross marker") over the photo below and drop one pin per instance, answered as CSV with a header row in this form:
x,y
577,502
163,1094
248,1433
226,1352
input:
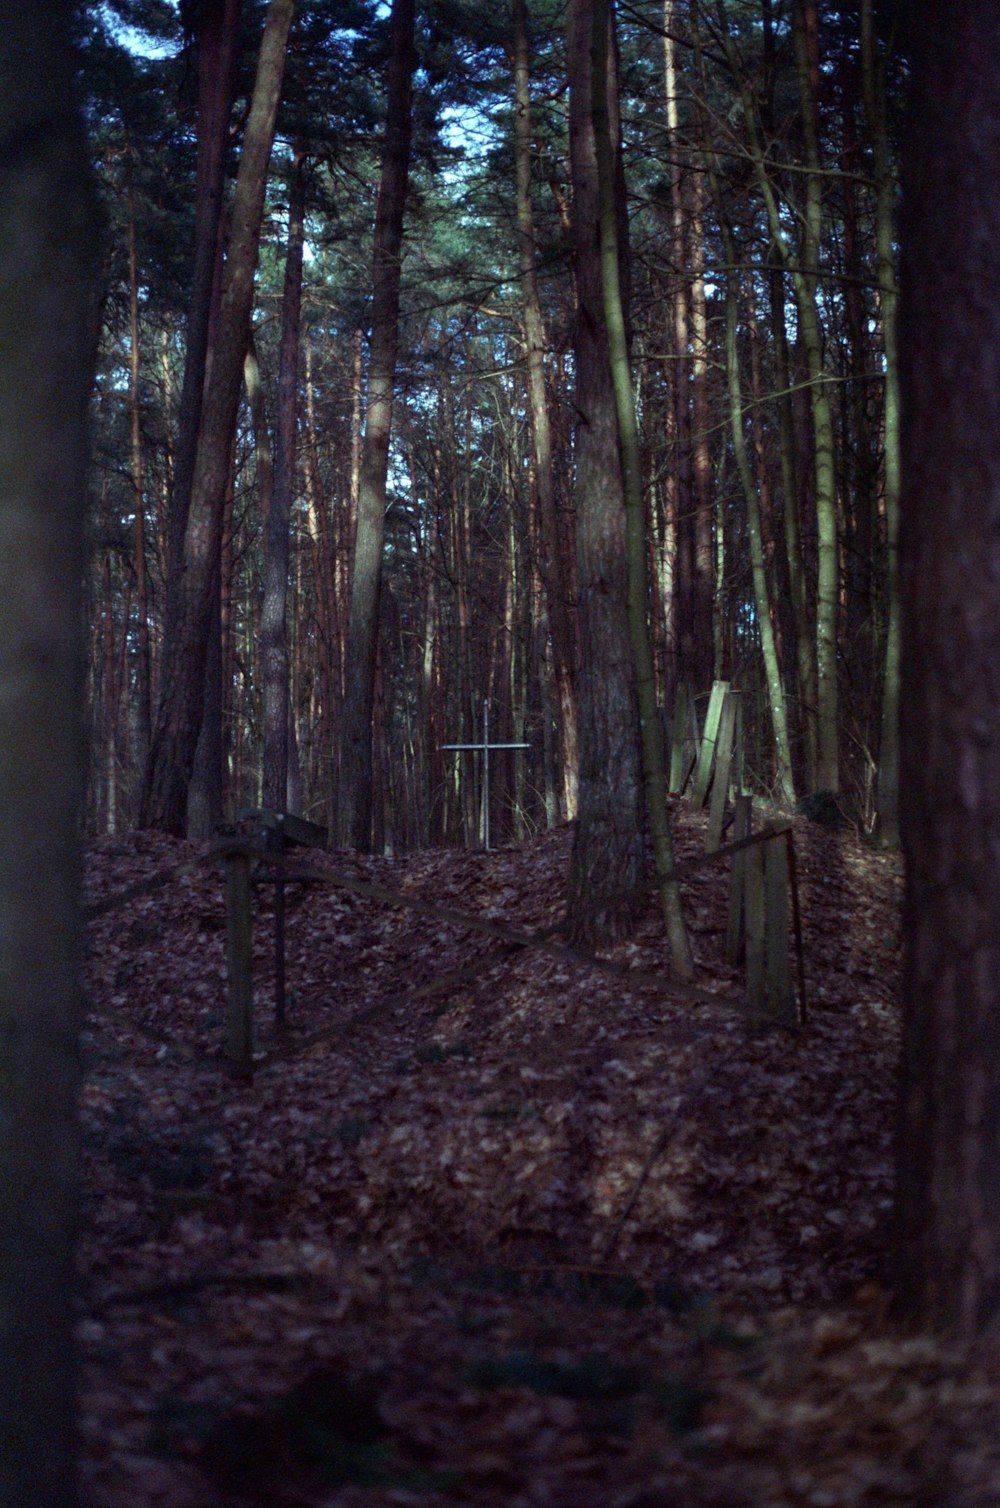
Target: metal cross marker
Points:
x,y
483,747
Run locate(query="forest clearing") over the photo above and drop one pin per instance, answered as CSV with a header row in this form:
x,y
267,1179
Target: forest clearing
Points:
x,y
468,476
390,1271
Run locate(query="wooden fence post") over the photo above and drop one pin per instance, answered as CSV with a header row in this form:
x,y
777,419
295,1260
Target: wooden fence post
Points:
x,y
723,765
737,769
706,755
239,964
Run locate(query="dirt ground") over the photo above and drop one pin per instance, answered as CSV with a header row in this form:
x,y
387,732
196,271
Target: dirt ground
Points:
x,y
539,1237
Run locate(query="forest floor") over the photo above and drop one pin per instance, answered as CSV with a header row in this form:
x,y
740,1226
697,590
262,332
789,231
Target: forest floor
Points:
x,y
394,1270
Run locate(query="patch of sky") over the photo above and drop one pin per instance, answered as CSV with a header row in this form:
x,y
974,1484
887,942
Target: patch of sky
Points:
x,y
145,44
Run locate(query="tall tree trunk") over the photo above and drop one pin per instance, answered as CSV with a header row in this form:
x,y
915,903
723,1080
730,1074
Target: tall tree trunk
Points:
x,y
366,586
216,39
701,443
947,1213
802,265
887,821
762,598
47,254
182,696
805,649
806,278
606,880
109,686
143,676
551,561
274,633
694,515
650,725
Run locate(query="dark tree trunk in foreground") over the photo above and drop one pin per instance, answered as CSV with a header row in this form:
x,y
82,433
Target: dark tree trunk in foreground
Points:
x,y
607,869
614,252
356,781
46,348
179,715
948,1203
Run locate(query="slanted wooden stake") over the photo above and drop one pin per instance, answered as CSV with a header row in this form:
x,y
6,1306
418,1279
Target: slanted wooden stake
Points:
x,y
239,962
723,767
706,757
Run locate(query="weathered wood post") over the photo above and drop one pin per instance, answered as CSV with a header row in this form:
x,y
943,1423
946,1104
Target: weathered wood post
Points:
x,y
706,756
239,962
724,759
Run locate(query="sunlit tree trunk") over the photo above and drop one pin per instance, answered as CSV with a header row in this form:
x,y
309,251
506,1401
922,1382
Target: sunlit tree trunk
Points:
x,y
179,713
47,254
366,585
948,1213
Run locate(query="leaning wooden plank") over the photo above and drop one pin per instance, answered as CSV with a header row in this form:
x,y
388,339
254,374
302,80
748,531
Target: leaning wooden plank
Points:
x,y
706,757
239,964
737,770
779,994
723,764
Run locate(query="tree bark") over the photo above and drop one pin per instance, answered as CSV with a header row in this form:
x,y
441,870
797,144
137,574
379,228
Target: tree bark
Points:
x,y
650,726
606,881
887,822
218,24
762,598
143,664
179,713
948,1211
551,561
366,586
274,632
47,254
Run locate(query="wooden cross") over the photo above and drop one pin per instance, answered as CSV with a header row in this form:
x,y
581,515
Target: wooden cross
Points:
x,y
484,747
